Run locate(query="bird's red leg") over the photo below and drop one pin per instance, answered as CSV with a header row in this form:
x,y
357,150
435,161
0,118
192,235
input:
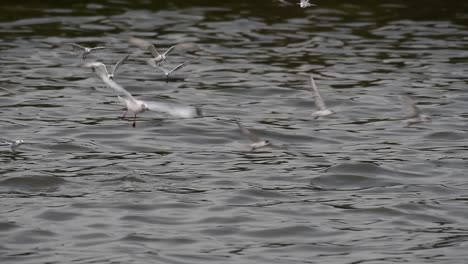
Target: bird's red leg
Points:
x,y
134,121
125,114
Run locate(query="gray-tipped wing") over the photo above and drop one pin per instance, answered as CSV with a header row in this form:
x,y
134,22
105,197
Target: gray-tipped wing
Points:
x,y
178,67
101,72
169,50
176,110
119,63
169,72
98,48
319,103
244,131
412,109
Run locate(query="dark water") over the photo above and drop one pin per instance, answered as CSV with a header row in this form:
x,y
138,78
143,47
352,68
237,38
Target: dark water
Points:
x,y
356,187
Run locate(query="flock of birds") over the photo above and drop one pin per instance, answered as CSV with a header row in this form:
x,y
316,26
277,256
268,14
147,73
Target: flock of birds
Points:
x,y
137,106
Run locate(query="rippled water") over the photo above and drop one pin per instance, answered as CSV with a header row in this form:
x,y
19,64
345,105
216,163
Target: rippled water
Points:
x,y
355,187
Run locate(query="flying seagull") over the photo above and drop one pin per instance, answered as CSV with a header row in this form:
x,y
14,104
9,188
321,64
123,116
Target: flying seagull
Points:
x,y
159,58
169,72
13,144
116,66
84,50
319,103
137,106
305,3
414,115
256,141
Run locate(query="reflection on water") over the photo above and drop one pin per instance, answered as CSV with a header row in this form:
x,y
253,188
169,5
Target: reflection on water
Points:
x,y
357,185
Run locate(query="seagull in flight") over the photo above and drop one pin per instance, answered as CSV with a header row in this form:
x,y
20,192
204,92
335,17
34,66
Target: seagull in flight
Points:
x,y
169,72
305,3
159,58
256,141
319,103
13,144
414,115
116,66
84,50
137,106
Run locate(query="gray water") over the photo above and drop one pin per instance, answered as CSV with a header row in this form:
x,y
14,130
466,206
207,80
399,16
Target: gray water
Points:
x,y
354,187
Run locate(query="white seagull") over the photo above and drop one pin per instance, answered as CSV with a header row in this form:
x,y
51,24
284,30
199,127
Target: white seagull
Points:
x,y
256,141
319,103
116,66
136,106
414,115
305,3
159,58
13,144
169,72
84,50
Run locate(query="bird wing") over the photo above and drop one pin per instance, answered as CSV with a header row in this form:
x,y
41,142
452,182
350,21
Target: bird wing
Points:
x,y
119,63
118,88
100,70
178,67
284,2
153,50
76,46
98,48
319,103
244,131
176,110
412,109
169,50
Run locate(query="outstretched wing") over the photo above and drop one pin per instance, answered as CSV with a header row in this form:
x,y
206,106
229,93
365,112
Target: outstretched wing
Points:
x,y
153,51
101,72
412,109
99,68
178,67
5,143
98,48
169,50
284,2
244,131
119,63
76,46
319,103
176,110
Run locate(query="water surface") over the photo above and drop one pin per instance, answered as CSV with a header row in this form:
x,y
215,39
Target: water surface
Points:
x,y
355,187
